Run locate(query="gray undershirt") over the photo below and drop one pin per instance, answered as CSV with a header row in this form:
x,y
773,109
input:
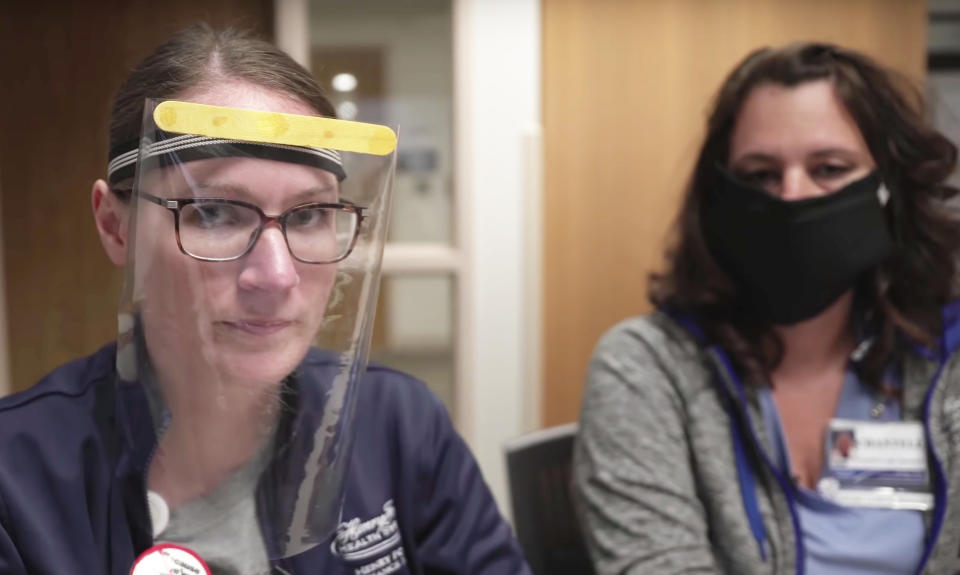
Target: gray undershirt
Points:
x,y
223,527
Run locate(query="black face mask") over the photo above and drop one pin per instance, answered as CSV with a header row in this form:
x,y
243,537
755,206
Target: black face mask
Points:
x,y
792,259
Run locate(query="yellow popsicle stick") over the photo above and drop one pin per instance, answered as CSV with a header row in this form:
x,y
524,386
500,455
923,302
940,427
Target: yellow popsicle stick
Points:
x,y
274,128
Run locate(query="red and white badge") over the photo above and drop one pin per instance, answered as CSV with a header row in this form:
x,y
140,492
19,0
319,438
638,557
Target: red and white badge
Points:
x,y
169,559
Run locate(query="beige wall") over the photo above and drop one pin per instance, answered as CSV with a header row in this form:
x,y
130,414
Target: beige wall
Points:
x,y
625,92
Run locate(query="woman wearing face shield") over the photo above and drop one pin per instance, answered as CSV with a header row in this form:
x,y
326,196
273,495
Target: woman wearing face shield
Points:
x,y
232,425
792,405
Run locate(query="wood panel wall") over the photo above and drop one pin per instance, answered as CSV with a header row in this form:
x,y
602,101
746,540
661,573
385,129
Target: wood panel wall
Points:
x,y
60,63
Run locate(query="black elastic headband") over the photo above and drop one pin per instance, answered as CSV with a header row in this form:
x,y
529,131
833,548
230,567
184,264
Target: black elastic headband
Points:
x,y
188,147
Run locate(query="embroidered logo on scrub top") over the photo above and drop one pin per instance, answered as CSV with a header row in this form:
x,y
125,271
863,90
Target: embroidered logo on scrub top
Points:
x,y
374,542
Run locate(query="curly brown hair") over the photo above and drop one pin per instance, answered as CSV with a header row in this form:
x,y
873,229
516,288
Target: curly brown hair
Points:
x,y
914,160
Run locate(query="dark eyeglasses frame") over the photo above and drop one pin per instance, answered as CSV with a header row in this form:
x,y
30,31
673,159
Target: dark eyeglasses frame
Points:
x,y
176,204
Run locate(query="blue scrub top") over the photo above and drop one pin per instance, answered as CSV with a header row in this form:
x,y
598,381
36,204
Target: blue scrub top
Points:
x,y
850,540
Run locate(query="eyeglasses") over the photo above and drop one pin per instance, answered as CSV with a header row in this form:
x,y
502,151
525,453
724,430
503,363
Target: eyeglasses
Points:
x,y
222,230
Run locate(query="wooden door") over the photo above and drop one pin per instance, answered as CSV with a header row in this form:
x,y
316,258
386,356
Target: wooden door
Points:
x,y
626,87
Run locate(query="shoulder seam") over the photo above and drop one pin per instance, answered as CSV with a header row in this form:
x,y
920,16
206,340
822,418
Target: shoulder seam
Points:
x,y
94,379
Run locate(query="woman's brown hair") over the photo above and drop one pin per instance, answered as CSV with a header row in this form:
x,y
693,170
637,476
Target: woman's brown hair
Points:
x,y
200,55
907,291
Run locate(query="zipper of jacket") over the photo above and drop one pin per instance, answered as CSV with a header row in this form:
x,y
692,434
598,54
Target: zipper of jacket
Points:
x,y
939,484
734,388
748,485
165,423
948,344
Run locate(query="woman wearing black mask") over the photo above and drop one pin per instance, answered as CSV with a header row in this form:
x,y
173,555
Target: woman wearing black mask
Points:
x,y
793,406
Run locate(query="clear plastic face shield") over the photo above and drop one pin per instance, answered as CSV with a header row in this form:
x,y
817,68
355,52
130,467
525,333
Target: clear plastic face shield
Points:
x,y
255,241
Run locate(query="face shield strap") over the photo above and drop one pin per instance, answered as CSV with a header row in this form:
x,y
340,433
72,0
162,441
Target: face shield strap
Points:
x,y
136,369
178,149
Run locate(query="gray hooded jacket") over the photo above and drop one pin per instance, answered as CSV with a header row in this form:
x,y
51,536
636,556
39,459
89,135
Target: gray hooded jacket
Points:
x,y
670,465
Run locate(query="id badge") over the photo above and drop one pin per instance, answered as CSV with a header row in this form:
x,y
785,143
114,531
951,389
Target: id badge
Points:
x,y
872,464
